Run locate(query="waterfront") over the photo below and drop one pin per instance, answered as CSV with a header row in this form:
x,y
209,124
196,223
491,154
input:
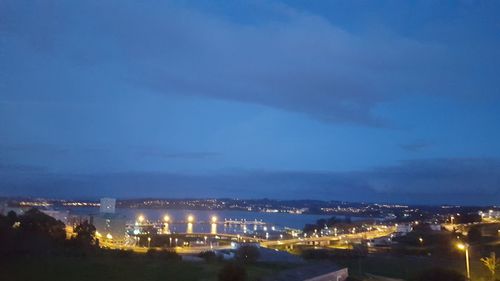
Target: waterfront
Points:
x,y
281,220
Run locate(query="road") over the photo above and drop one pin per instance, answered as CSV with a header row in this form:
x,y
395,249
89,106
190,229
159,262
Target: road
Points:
x,y
346,237
264,243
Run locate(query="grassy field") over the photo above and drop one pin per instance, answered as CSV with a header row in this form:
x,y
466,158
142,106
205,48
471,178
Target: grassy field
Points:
x,y
118,269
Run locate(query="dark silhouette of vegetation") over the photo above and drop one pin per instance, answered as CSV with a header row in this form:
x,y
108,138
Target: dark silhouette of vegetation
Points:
x,y
164,255
32,233
232,272
247,254
424,241
85,232
467,218
474,235
208,256
440,274
36,234
322,223
492,264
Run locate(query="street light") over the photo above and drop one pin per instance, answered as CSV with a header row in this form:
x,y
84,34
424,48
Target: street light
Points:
x,y
140,218
149,242
214,219
421,240
465,247
166,218
190,218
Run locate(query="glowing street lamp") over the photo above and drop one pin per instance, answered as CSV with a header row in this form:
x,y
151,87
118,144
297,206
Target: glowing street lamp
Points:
x,y
190,218
465,247
140,218
149,242
214,219
166,218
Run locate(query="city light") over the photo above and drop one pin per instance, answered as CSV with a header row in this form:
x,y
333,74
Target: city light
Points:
x,y
109,236
166,218
190,218
140,218
214,219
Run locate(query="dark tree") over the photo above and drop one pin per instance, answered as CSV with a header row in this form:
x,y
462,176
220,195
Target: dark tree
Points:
x,y
11,217
34,222
468,218
35,233
232,272
474,234
309,228
85,234
247,254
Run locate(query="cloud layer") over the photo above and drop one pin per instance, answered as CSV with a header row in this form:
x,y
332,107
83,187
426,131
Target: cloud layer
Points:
x,y
294,61
432,181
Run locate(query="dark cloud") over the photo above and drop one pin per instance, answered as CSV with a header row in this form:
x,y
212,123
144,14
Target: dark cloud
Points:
x,y
293,61
432,181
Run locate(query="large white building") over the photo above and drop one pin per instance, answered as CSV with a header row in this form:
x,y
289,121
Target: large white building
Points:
x,y
107,205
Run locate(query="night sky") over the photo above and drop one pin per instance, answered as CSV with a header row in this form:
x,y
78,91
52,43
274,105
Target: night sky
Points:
x,y
386,101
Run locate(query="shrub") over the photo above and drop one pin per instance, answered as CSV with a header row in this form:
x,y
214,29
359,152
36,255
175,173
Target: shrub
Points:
x,y
163,254
208,256
232,272
247,254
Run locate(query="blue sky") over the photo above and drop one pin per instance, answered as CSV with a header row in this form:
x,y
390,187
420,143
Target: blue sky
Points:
x,y
392,101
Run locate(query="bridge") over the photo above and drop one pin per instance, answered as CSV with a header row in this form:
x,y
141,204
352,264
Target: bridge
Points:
x,y
322,239
226,221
